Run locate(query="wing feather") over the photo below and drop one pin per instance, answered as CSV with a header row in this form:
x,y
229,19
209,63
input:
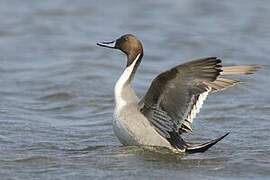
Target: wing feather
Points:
x,y
176,96
186,126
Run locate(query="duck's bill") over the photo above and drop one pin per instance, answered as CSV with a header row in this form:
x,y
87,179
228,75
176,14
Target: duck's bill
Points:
x,y
110,44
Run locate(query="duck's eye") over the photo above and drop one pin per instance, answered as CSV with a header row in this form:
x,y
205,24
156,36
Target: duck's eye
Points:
x,y
126,38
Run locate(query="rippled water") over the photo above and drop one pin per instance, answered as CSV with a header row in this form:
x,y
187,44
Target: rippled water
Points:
x,y
56,87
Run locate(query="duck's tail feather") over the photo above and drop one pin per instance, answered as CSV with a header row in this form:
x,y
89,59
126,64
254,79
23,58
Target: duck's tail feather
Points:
x,y
200,148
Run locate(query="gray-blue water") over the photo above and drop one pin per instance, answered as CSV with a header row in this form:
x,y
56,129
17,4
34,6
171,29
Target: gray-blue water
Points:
x,y
56,87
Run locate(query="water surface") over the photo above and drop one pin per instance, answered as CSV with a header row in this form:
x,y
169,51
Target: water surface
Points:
x,y
56,87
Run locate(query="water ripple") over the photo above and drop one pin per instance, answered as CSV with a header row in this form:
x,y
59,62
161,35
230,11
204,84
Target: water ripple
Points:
x,y
56,94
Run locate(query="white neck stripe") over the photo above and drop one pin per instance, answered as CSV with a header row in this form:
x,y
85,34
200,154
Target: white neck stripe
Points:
x,y
121,83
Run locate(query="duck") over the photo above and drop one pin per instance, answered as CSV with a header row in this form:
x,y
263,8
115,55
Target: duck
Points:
x,y
167,111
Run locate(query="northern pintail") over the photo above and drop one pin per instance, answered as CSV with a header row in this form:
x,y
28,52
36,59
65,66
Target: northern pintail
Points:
x,y
171,103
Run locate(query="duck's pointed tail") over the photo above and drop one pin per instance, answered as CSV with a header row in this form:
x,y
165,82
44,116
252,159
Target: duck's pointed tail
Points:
x,y
200,148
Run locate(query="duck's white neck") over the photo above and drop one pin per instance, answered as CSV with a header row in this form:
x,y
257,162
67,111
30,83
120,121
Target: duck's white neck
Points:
x,y
123,91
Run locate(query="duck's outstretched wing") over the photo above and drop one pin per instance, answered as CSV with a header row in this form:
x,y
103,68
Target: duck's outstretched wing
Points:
x,y
176,96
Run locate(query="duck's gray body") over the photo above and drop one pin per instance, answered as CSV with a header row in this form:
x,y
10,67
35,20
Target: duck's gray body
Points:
x,y
174,98
130,125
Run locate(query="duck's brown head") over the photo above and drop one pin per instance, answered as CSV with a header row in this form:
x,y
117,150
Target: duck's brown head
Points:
x,y
128,44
